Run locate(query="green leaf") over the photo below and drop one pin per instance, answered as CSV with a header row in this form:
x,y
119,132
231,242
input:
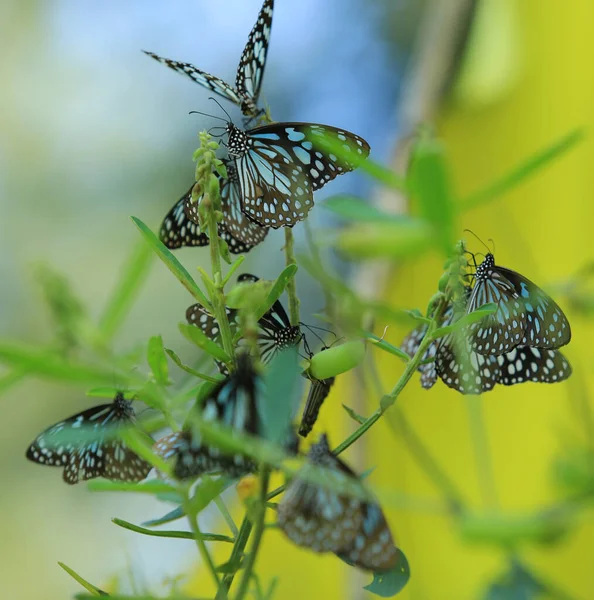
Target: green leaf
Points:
x,y
429,183
184,535
110,392
194,334
95,591
238,262
354,415
177,360
134,274
387,347
282,389
407,237
157,360
389,584
277,289
356,209
48,363
476,315
173,515
172,263
522,172
208,490
152,486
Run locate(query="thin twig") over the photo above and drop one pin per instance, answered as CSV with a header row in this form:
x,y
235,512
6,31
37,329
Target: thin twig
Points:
x,y
291,285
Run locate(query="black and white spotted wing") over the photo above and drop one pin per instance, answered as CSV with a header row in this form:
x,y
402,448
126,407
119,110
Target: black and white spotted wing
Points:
x,y
232,403
525,315
533,364
249,73
87,445
279,166
275,330
325,521
180,226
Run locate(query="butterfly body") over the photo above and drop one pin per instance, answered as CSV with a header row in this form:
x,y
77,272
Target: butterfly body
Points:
x,y
280,165
325,521
250,71
275,332
87,445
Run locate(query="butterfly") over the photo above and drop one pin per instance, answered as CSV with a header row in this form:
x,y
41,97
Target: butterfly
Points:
x,y
275,331
280,165
180,226
248,80
233,403
525,316
319,390
325,521
468,372
87,446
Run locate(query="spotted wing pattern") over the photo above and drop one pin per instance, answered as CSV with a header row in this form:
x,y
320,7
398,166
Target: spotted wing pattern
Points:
x,y
503,330
325,521
253,59
279,166
533,364
250,71
87,445
275,330
180,226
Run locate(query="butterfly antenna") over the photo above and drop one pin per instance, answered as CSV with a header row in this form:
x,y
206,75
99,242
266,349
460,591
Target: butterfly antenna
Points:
x,y
229,120
217,134
312,331
478,238
197,112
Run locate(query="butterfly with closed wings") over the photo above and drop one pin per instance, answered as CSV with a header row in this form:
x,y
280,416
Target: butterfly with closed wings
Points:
x,y
280,165
326,521
250,72
87,445
469,372
275,331
525,316
180,226
233,403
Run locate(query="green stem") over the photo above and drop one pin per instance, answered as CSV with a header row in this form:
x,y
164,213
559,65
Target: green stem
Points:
x,y
226,515
291,285
199,538
218,297
241,541
258,533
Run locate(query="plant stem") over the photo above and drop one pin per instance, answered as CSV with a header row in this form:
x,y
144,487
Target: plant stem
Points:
x,y
226,515
258,533
217,296
241,541
291,285
199,538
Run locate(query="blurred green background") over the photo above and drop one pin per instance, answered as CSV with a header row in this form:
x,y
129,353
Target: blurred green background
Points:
x,y
92,131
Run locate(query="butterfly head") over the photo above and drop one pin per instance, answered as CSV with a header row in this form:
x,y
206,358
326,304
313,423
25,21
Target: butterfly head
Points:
x,y
484,269
237,142
122,406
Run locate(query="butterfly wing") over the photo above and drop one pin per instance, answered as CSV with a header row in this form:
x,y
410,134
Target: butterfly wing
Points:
x,y
87,447
547,326
210,82
236,224
533,364
178,230
318,392
283,163
464,370
253,59
501,331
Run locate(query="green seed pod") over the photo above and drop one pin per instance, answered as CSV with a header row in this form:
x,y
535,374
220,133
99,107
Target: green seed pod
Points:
x,y
336,360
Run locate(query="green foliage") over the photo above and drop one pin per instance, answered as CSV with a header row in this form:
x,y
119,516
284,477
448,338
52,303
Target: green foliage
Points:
x,y
389,584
